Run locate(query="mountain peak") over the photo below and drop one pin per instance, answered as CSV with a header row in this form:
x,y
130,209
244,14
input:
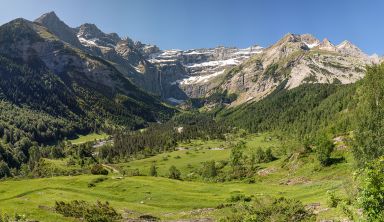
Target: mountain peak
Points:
x,y
48,17
346,47
89,29
346,44
90,34
327,45
326,42
289,37
53,23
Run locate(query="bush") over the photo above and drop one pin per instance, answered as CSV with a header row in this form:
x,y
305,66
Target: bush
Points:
x,y
133,172
153,170
17,217
99,212
174,173
95,181
237,197
262,156
269,156
333,200
209,169
4,170
148,217
275,210
98,169
372,192
324,149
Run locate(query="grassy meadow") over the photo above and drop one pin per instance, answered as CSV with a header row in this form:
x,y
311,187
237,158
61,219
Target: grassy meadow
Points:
x,y
296,177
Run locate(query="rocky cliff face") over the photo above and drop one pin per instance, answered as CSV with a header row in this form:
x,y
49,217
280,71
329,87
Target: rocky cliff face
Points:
x,y
292,61
198,71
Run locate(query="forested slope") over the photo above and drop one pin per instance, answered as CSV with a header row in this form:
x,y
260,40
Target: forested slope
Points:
x,y
300,111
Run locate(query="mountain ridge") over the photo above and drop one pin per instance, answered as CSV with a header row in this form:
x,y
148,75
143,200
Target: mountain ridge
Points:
x,y
179,75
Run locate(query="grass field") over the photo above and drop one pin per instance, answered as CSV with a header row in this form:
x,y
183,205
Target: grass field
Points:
x,y
173,199
89,138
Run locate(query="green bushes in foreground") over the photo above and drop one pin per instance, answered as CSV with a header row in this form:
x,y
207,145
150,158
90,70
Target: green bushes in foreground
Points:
x,y
276,210
174,173
99,212
98,169
372,192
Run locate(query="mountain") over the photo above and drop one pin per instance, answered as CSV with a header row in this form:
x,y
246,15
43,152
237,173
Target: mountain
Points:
x,y
293,61
253,73
245,74
242,75
195,71
174,75
41,74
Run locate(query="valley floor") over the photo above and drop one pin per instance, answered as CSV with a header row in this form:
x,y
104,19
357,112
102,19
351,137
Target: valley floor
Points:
x,y
169,199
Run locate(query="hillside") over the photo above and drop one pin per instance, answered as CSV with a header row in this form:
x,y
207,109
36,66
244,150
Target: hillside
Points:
x,y
62,91
301,111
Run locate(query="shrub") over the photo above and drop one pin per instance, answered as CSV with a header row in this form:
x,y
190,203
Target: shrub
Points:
x,y
153,170
17,217
324,149
98,169
95,181
237,197
4,170
275,210
174,173
99,212
333,200
269,156
148,217
262,156
259,155
372,192
133,172
209,169
236,161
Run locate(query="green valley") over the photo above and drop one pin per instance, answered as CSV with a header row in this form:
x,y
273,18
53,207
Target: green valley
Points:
x,y
97,127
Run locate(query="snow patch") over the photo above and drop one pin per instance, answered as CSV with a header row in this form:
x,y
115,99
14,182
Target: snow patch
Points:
x,y
214,63
200,79
312,45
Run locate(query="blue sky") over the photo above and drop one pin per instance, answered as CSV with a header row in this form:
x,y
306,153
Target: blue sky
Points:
x,y
188,24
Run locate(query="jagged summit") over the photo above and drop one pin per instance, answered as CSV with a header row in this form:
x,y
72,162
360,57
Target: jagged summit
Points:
x,y
310,40
327,45
49,16
345,44
346,47
53,23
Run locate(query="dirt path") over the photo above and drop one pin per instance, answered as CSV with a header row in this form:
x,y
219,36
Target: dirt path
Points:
x,y
111,168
